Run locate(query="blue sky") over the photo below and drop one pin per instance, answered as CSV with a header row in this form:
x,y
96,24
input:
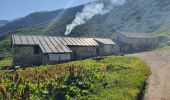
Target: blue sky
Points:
x,y
11,9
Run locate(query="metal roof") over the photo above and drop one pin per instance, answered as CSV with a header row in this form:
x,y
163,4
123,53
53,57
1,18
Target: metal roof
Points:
x,y
79,41
53,44
137,35
105,41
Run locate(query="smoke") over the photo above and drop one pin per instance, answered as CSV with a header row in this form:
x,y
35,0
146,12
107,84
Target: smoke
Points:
x,y
90,10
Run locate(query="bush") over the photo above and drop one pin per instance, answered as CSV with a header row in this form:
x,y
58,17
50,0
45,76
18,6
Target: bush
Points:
x,y
161,45
168,43
1,57
78,80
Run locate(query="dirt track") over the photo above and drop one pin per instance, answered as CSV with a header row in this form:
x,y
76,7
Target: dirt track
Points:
x,y
158,87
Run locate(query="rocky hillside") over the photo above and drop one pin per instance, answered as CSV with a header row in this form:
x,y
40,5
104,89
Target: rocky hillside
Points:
x,y
151,16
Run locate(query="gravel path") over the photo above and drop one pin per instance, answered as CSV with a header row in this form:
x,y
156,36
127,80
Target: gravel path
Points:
x,y
158,87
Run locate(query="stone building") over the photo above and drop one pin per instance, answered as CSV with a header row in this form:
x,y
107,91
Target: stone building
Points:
x,y
81,47
106,47
37,50
135,42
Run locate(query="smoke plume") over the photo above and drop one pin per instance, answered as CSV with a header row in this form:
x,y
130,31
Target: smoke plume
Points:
x,y
100,7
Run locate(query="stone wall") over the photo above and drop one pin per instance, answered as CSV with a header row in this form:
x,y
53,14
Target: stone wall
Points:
x,y
82,52
45,59
24,56
58,58
108,49
136,44
142,44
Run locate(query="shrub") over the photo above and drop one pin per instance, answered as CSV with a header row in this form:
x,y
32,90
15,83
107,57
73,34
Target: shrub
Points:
x,y
77,80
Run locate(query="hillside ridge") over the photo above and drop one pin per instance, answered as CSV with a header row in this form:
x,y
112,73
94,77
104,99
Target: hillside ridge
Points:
x,y
133,16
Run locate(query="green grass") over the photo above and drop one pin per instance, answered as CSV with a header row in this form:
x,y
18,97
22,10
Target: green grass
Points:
x,y
125,77
126,80
162,31
5,47
5,62
163,48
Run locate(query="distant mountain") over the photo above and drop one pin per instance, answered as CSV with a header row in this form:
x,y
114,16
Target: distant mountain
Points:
x,y
38,18
3,22
143,16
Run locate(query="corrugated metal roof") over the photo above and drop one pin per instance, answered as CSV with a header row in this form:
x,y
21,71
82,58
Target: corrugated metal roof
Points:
x,y
44,44
78,41
56,45
30,40
49,44
137,35
24,39
105,41
37,42
17,40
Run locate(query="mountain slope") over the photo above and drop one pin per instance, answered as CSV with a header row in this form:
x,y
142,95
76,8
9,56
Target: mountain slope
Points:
x,y
39,18
3,22
133,16
151,16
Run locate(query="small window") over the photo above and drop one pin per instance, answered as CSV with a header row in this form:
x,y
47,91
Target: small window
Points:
x,y
36,49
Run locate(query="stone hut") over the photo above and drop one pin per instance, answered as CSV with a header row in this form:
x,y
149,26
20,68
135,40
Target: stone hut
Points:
x,y
135,42
80,47
106,47
37,50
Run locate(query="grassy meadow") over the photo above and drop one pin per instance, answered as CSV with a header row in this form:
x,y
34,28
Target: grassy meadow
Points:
x,y
163,48
113,77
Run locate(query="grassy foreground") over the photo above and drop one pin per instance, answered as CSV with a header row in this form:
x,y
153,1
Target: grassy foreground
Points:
x,y
115,78
163,48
